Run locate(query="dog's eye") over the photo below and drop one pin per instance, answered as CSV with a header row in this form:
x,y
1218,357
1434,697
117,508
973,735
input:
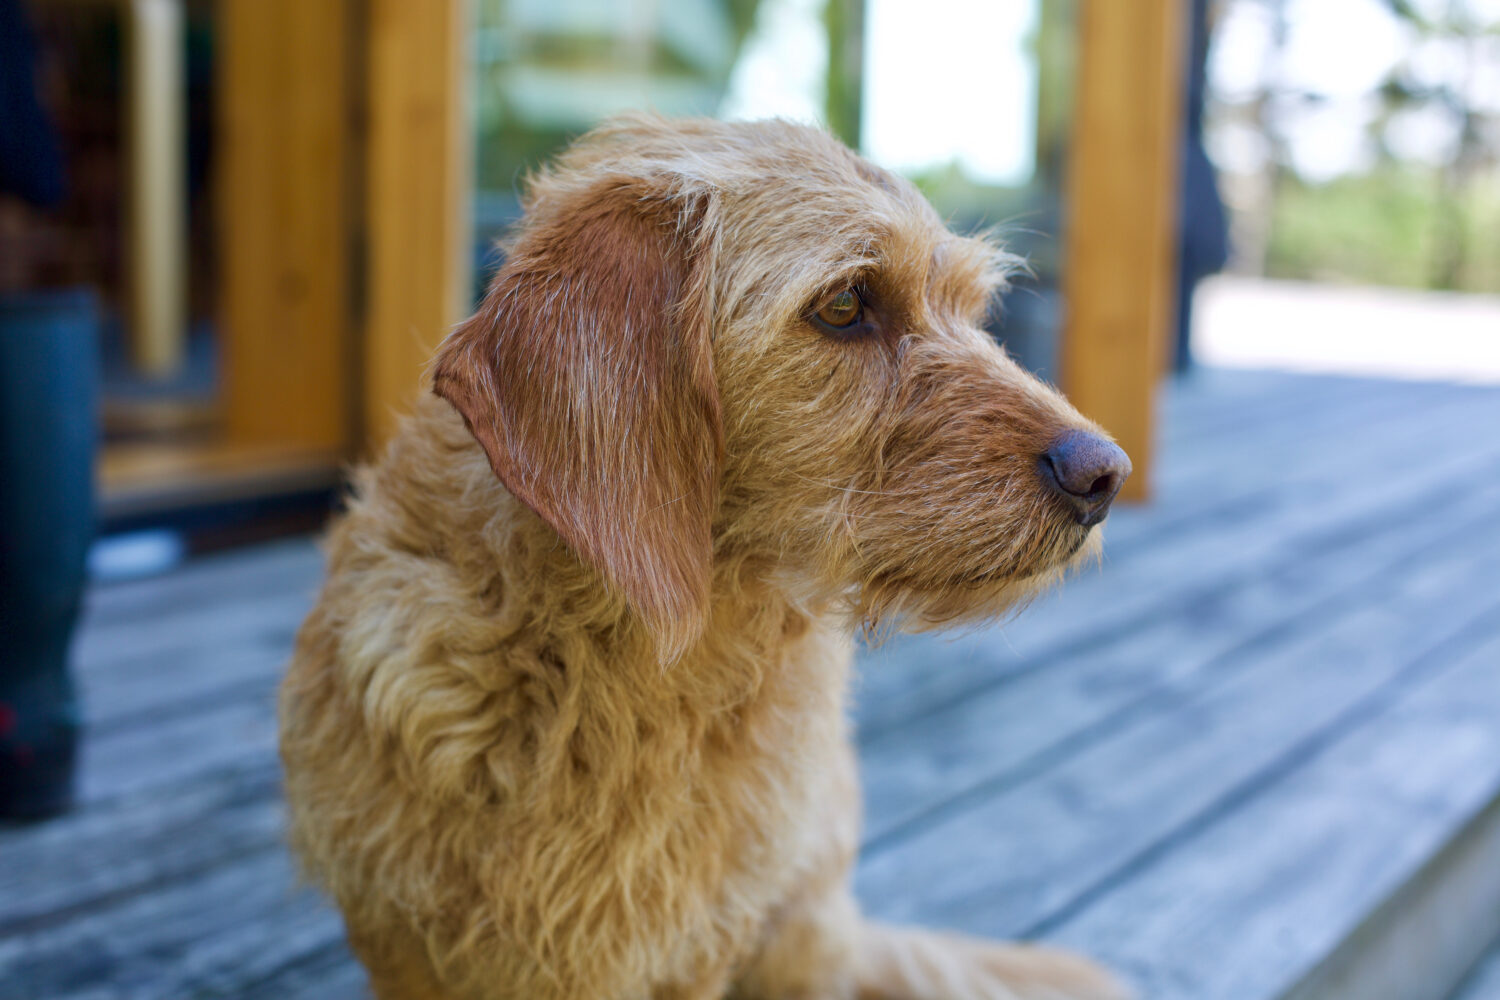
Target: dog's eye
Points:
x,y
842,311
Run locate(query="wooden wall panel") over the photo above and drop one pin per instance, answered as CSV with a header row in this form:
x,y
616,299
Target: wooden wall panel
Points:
x,y
284,150
419,179
1121,199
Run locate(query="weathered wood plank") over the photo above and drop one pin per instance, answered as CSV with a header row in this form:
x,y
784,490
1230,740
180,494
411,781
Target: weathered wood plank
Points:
x,y
1275,446
171,630
1247,905
210,936
1210,405
195,680
1423,937
1206,402
1269,454
1316,517
1224,452
1046,846
331,975
938,761
208,581
54,872
1484,982
134,760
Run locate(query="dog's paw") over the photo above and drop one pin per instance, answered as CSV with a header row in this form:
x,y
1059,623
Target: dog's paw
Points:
x,y
1028,972
920,965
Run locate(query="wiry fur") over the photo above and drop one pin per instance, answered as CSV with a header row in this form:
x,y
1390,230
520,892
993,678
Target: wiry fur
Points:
x,y
568,719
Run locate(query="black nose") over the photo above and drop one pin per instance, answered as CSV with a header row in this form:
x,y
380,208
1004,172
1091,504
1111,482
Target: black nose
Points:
x,y
1086,471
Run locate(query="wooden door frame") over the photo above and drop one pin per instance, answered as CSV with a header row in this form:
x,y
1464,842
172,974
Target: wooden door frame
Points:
x,y
288,173
286,169
344,186
346,212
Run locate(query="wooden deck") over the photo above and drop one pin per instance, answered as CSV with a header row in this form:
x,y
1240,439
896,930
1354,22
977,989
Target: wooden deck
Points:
x,y
1256,755
1485,983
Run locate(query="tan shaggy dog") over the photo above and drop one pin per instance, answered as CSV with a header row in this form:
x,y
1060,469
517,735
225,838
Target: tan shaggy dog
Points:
x,y
568,720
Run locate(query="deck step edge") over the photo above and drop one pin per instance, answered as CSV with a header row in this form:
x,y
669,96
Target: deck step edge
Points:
x,y
1425,937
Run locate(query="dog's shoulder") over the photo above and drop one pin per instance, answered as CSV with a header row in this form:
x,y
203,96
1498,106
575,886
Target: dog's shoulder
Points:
x,y
434,558
426,526
430,493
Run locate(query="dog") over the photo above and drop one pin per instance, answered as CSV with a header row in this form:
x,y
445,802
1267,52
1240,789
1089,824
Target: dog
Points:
x,y
568,718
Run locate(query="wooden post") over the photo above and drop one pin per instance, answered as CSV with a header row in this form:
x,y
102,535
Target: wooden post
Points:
x,y
286,222
157,215
418,205
1120,269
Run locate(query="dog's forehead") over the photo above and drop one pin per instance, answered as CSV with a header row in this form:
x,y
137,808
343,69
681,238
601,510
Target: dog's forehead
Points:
x,y
805,196
844,219
797,210
811,174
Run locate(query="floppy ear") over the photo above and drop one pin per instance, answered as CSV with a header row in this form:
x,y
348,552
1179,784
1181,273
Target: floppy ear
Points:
x,y
587,377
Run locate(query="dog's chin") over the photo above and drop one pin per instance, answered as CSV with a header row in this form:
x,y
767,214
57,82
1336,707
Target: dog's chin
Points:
x,y
1066,551
976,595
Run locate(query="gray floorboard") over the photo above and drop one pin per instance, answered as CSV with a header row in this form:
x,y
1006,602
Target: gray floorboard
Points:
x,y
1208,761
1484,982
1243,906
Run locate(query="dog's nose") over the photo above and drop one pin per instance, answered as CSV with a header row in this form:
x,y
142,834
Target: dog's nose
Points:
x,y
1086,471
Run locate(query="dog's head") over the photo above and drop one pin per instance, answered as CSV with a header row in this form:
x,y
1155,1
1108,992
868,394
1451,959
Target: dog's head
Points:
x,y
742,342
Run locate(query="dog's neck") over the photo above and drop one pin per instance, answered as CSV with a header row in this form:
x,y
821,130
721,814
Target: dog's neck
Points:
x,y
750,619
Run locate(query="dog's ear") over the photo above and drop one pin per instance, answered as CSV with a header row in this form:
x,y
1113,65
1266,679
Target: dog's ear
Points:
x,y
587,377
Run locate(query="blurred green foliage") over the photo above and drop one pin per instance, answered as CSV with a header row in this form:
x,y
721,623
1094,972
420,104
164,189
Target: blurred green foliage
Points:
x,y
1397,225
547,71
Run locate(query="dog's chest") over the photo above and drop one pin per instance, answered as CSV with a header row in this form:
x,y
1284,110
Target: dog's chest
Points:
x,y
778,787
728,811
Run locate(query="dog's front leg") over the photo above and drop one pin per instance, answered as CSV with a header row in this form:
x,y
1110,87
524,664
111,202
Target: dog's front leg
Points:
x,y
810,950
909,964
821,949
